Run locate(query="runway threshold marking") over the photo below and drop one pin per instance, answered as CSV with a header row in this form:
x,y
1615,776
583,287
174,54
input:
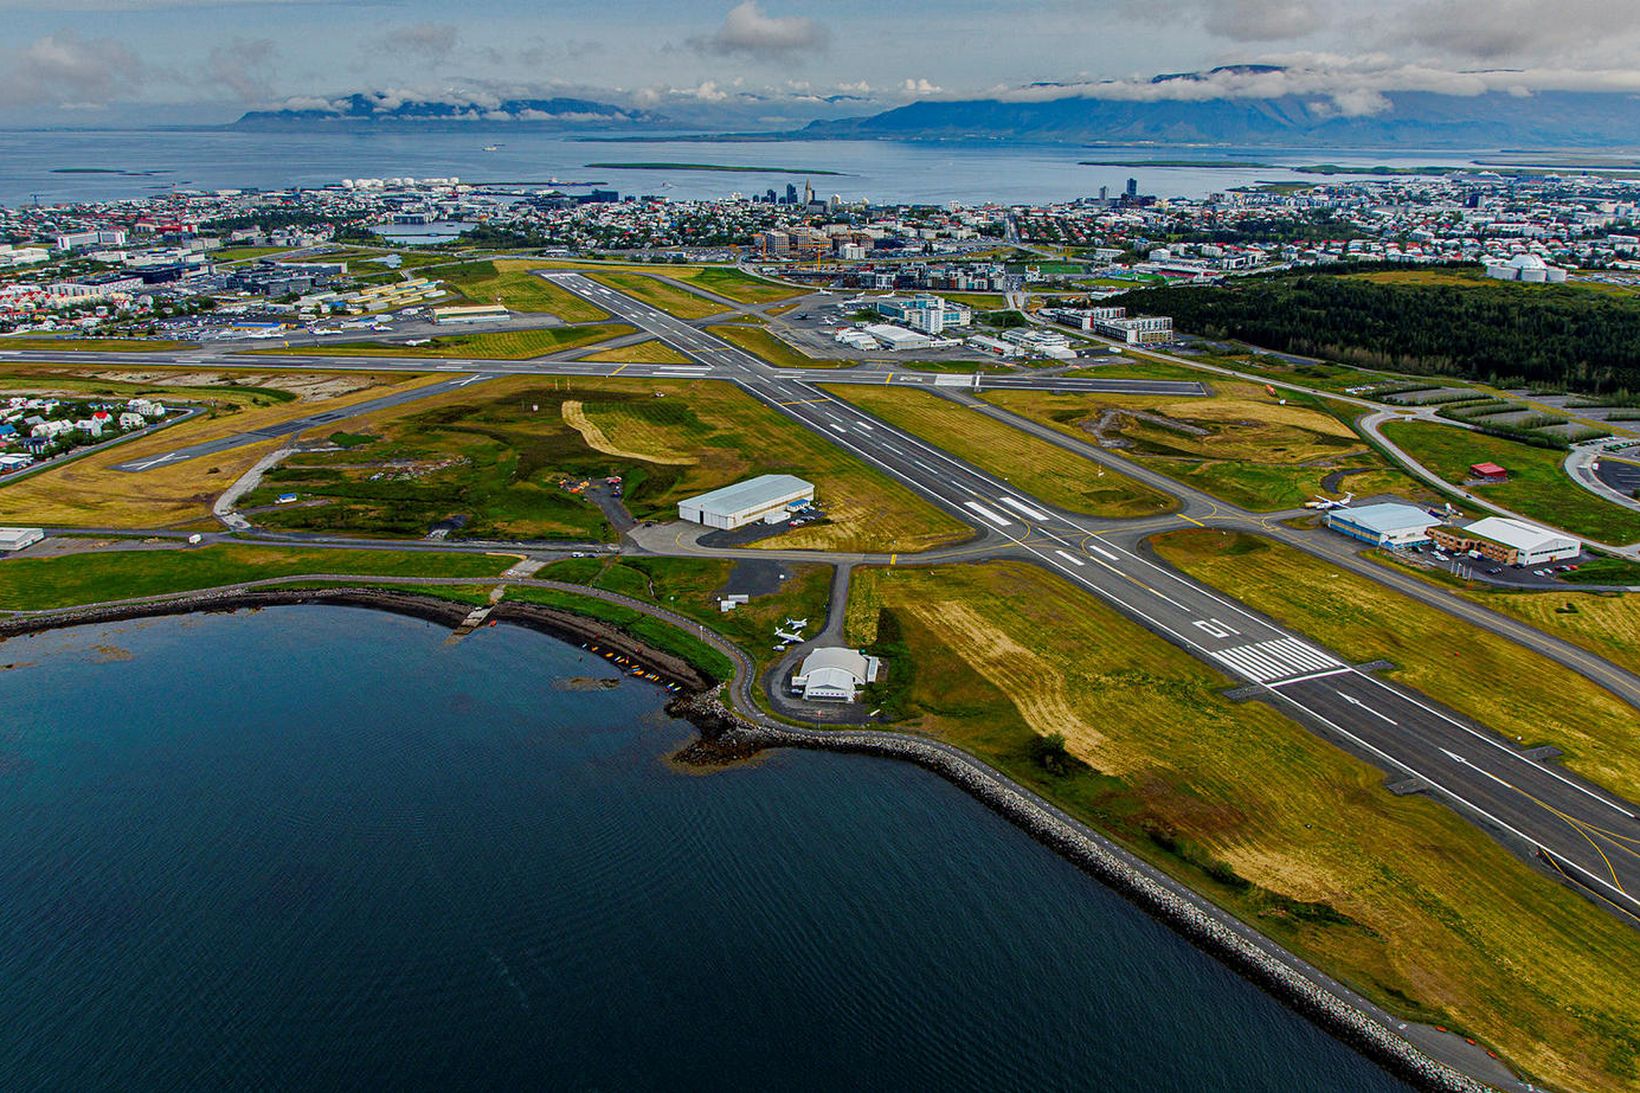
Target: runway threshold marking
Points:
x,y
621,369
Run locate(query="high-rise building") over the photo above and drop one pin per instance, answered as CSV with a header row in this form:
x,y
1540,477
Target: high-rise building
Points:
x,y
791,193
1133,187
1104,193
808,193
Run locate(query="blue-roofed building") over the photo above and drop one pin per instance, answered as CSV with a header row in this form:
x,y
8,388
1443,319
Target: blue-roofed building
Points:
x,y
1390,524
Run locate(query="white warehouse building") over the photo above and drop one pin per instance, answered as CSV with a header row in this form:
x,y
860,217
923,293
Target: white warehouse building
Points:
x,y
769,497
834,674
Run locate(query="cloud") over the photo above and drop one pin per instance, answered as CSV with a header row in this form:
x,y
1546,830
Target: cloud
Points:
x,y
424,41
1494,30
65,69
748,32
1347,86
1263,20
919,86
244,66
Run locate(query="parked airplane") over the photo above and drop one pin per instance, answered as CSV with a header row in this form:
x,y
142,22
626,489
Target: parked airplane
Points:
x,y
796,624
1327,503
788,636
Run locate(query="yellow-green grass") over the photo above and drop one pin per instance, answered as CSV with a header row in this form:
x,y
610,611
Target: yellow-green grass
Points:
x,y
1605,623
689,586
1518,693
1033,466
1537,487
668,298
88,492
1240,445
94,345
735,284
783,309
652,351
1398,896
35,584
511,283
502,345
240,254
777,351
499,453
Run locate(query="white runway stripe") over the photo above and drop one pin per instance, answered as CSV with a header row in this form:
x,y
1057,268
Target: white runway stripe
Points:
x,y
1270,660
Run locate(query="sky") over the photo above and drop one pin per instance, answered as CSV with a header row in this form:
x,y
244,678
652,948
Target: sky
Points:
x,y
769,62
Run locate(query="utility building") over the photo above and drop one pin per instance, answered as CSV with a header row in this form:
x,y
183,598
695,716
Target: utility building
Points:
x,y
769,497
19,538
1386,525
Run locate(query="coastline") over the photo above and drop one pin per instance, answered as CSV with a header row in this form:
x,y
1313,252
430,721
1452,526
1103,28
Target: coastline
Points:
x,y
726,737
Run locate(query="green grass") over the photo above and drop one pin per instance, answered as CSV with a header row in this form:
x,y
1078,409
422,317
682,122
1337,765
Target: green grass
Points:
x,y
240,254
33,584
651,631
497,454
1518,693
1537,488
765,346
1032,465
512,284
1605,571
668,298
1398,896
738,285
505,345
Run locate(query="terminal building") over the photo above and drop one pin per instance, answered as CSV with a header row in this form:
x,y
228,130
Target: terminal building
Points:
x,y
771,498
929,314
834,675
1513,542
1388,525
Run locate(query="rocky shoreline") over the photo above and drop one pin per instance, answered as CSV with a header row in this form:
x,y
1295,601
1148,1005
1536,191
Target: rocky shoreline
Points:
x,y
726,737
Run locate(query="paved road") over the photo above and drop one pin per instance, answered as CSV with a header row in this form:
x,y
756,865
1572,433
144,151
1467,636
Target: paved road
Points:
x,y
1590,834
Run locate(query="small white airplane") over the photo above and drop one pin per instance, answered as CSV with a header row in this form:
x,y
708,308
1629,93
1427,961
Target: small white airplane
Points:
x,y
788,637
1326,503
796,624
825,292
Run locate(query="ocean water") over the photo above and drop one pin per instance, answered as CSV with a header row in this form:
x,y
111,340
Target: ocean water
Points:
x,y
106,164
320,848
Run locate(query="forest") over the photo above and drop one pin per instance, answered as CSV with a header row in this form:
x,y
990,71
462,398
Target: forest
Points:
x,y
1542,336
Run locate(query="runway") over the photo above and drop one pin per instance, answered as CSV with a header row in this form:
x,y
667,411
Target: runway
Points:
x,y
1582,830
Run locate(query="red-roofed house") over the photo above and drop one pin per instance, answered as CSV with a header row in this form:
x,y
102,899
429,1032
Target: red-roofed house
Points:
x,y
1488,472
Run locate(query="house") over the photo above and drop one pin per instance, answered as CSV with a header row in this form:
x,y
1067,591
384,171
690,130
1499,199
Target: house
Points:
x,y
129,420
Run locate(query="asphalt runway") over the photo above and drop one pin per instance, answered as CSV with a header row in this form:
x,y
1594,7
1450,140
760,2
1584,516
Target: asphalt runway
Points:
x,y
1585,832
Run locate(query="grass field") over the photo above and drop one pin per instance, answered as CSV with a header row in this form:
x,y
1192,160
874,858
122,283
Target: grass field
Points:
x,y
88,493
501,345
241,254
497,455
510,283
652,351
1396,895
668,298
1537,488
689,586
34,584
726,281
1240,445
1035,466
1518,693
765,346
95,345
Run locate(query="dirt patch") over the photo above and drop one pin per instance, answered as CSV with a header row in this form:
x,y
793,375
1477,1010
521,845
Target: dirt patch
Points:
x,y
575,417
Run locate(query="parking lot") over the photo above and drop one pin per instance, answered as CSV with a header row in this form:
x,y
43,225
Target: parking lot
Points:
x,y
1624,477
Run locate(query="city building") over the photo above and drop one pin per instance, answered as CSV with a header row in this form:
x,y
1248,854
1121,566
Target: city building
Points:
x,y
929,314
834,674
1389,525
1513,542
770,498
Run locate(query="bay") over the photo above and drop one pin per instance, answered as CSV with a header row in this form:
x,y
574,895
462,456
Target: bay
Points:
x,y
322,847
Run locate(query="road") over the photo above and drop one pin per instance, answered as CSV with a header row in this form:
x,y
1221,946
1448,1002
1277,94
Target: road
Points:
x,y
1590,834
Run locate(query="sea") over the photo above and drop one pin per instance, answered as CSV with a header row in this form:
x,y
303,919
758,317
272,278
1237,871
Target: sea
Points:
x,y
326,848
65,165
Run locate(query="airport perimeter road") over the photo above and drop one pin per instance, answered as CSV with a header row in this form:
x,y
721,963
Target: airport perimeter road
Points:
x,y
1588,833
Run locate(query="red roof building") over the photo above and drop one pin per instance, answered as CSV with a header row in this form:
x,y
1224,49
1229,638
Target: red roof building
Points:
x,y
1488,472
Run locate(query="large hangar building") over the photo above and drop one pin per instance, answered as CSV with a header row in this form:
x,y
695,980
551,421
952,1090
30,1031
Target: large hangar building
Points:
x,y
770,498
